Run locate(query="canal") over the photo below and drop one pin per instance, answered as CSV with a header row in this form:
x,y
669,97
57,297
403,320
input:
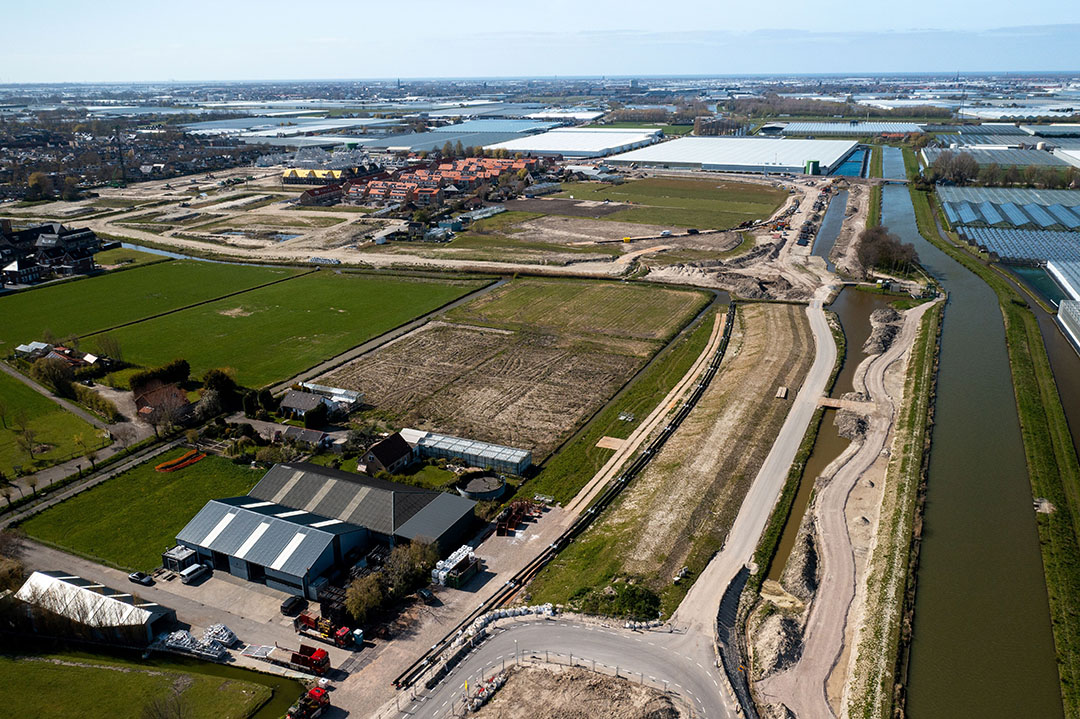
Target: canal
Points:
x,y
982,643
852,308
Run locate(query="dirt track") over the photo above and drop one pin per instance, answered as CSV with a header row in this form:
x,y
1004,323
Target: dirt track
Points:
x,y
802,687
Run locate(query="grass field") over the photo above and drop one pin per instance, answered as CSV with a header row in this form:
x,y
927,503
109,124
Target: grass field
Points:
x,y
127,258
126,522
606,308
274,332
98,303
60,686
704,204
52,425
246,221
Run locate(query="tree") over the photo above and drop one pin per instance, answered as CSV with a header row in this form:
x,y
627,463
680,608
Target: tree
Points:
x,y
124,434
409,567
40,186
316,418
267,400
221,382
32,483
109,346
55,374
3,412
364,596
71,189
192,436
27,441
459,149
447,150
250,404
88,451
271,455
171,705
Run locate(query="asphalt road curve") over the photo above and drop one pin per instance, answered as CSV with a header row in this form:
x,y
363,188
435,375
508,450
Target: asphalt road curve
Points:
x,y
685,661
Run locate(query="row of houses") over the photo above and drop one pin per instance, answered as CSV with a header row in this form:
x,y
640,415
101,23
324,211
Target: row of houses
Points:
x,y
30,254
430,186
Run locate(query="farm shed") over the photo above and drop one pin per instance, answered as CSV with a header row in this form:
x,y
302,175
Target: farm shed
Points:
x,y
302,520
262,541
111,615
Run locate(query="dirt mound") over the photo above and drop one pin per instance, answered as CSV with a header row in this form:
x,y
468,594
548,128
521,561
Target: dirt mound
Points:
x,y
777,644
801,574
852,425
886,325
574,693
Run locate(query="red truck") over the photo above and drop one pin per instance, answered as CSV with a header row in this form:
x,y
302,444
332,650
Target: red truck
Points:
x,y
309,705
325,630
306,659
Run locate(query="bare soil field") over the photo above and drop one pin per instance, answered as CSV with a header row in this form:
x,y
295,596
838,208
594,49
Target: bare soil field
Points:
x,y
567,230
523,365
575,693
679,511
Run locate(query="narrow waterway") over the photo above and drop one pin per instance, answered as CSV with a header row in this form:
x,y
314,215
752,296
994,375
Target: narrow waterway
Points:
x,y
852,308
830,228
982,644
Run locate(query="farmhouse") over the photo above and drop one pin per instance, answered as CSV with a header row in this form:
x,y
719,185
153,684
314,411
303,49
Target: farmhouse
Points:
x,y
390,454
110,615
301,521
297,403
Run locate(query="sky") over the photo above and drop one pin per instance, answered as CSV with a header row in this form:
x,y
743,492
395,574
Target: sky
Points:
x,y
196,40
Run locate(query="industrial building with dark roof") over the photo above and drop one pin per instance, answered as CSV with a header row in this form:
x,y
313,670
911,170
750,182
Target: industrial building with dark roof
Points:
x,y
302,521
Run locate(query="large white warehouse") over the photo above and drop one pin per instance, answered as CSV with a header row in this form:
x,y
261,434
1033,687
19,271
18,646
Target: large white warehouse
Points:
x,y
580,141
741,154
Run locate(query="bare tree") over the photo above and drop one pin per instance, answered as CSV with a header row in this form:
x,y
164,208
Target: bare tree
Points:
x,y
32,483
3,412
168,706
109,346
124,434
27,441
88,451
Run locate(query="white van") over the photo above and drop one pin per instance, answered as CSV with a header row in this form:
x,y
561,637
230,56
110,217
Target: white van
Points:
x,y
192,573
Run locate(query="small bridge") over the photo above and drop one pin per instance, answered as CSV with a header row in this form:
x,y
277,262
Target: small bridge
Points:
x,y
848,404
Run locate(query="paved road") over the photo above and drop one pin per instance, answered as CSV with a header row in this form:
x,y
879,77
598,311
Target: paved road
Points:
x,y
685,661
802,687
73,408
699,609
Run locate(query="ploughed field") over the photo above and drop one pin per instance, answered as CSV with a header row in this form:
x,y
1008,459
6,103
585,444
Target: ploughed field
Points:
x,y
524,364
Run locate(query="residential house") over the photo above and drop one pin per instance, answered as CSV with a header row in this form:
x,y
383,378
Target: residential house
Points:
x,y
297,404
325,195
391,454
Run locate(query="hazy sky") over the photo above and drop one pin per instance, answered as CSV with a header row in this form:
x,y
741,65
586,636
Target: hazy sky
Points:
x,y
62,40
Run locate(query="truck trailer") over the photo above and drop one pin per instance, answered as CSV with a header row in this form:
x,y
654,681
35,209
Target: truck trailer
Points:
x,y
308,625
306,659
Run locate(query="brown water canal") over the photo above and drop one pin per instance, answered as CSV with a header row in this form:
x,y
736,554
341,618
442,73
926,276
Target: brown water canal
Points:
x,y
982,644
853,308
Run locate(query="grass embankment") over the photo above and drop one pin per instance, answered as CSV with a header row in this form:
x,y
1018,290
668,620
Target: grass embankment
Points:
x,y
703,204
873,211
876,161
122,257
580,459
61,686
1053,469
127,521
98,303
274,332
54,429
874,677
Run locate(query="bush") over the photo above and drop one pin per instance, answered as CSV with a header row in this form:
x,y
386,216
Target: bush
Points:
x,y
316,418
622,599
89,398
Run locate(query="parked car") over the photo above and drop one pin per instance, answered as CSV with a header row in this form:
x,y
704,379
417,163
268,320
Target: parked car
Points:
x,y
426,595
141,578
692,231
292,605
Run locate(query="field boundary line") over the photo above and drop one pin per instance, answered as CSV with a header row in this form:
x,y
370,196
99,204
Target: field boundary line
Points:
x,y
197,304
378,341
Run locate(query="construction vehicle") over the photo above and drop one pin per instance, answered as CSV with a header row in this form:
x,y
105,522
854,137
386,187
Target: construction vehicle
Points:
x,y
323,629
309,705
306,659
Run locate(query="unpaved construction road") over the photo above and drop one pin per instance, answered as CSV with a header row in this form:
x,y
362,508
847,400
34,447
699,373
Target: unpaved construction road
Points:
x,y
802,686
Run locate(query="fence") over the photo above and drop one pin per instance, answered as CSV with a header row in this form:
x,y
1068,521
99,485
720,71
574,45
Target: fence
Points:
x,y
540,659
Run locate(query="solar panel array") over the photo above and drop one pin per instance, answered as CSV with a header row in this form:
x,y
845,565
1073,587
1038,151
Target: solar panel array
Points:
x,y
1026,245
1008,215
